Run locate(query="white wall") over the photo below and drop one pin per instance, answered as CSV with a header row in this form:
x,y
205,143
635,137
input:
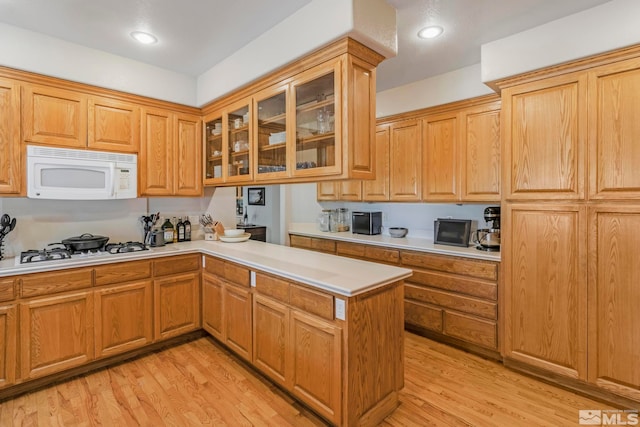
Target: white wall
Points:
x,y
40,222
449,87
30,51
606,27
267,215
308,29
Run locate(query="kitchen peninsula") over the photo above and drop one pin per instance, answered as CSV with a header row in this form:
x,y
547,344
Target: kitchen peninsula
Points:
x,y
327,329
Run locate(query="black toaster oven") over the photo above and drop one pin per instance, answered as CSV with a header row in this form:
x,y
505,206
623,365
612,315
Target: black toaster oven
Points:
x,y
366,222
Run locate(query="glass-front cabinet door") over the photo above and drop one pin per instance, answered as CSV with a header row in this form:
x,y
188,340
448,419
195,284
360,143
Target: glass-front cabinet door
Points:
x,y
272,149
214,131
318,121
238,142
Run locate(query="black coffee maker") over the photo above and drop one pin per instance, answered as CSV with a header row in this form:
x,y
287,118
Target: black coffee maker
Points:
x,y
488,239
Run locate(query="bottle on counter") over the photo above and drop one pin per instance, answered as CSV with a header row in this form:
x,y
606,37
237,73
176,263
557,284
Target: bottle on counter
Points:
x,y
180,229
168,230
245,218
175,231
187,229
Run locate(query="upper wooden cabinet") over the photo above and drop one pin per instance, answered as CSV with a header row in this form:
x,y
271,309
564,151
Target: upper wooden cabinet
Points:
x,y
10,148
614,130
440,158
480,153
449,153
312,121
170,155
113,125
405,152
73,119
545,133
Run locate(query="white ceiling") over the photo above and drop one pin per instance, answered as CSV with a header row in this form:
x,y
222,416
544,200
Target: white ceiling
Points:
x,y
194,35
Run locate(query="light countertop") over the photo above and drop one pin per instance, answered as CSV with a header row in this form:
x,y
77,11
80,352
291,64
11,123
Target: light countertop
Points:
x,y
410,243
332,273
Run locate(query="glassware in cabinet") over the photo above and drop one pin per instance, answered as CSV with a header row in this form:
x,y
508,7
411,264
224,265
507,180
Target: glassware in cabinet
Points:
x,y
271,107
317,120
238,143
213,150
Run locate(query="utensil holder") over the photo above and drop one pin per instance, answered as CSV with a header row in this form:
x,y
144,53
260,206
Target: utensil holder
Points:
x,y
1,250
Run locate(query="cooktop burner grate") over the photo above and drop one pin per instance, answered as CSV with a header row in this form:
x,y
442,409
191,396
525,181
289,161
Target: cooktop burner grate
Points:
x,y
47,254
117,248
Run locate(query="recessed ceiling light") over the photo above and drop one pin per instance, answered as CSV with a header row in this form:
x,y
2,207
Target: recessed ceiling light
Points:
x,y
144,38
430,32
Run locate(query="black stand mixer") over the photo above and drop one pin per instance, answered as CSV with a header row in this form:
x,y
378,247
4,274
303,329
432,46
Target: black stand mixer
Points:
x,y
488,239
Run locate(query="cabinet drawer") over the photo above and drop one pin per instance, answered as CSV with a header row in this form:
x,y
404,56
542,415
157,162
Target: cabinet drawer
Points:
x,y
478,331
323,245
177,264
463,266
377,254
51,283
300,241
7,289
214,266
311,301
273,287
122,272
237,274
423,316
447,282
470,305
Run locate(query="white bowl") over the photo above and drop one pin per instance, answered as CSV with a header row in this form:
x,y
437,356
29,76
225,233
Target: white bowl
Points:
x,y
398,231
233,232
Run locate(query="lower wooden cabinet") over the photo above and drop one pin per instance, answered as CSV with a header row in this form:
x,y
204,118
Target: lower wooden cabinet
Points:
x,y
56,333
212,306
177,305
237,319
546,295
614,300
7,345
271,340
123,317
317,348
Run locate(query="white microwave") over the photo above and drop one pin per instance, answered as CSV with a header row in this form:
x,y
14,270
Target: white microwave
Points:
x,y
66,174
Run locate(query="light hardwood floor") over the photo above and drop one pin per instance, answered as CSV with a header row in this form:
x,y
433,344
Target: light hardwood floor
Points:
x,y
199,383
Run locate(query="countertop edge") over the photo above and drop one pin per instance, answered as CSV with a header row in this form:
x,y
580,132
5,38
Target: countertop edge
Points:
x,y
405,243
208,248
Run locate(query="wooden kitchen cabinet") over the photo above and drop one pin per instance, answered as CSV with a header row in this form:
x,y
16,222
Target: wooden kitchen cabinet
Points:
x,y
613,111
123,317
170,154
11,163
54,116
544,135
67,118
313,243
614,298
56,333
480,153
317,347
271,342
440,158
113,125
312,121
227,305
8,344
176,295
377,190
546,296
363,190
405,147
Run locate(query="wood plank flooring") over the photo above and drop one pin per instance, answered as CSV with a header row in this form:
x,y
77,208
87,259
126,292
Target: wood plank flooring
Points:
x,y
200,383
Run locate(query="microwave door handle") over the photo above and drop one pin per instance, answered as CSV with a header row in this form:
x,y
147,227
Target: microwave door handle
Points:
x,y
112,170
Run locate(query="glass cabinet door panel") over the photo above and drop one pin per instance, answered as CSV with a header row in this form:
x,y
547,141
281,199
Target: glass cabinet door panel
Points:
x,y
213,147
316,102
272,135
238,142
